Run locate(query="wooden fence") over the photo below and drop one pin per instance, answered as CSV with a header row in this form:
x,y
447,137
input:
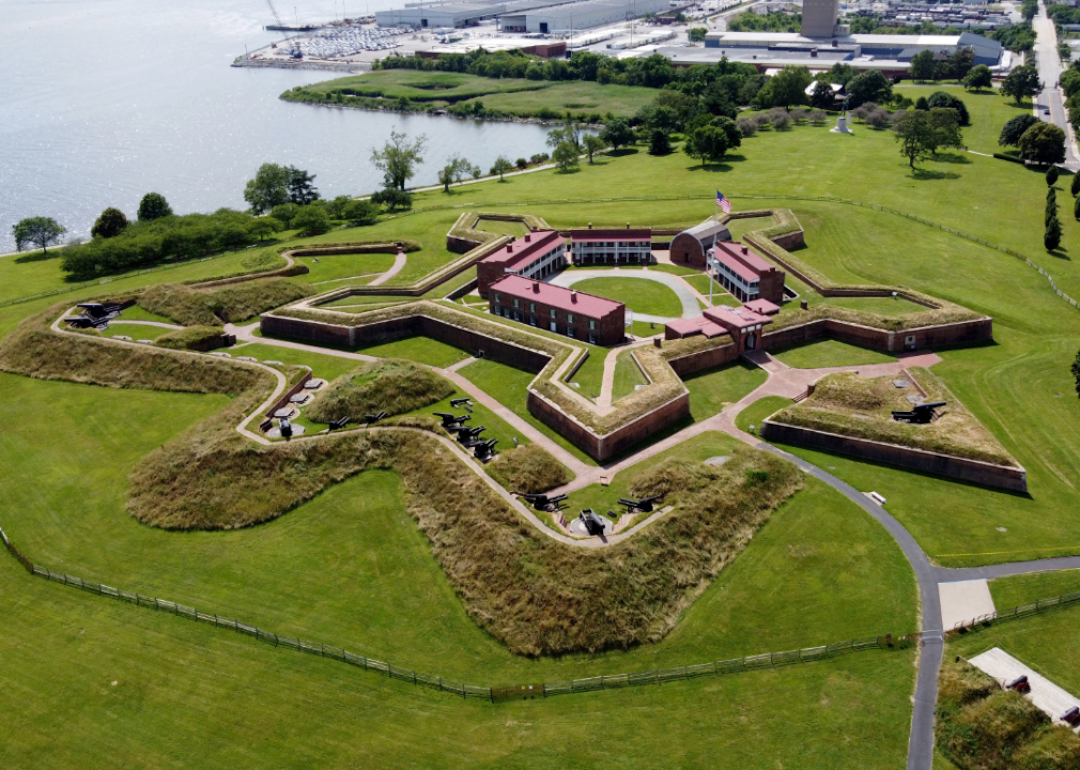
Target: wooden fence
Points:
x,y
1038,607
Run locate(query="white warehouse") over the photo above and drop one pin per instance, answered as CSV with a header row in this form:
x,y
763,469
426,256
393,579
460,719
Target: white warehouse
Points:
x,y
580,15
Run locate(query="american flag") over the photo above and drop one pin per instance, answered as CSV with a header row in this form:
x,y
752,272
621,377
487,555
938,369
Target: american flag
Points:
x,y
723,202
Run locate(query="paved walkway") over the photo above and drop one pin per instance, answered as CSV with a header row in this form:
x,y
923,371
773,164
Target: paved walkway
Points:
x,y
1052,700
687,295
964,600
159,324
399,264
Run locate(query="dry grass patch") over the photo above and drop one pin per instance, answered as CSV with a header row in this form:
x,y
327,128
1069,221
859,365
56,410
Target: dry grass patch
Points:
x,y
982,727
211,306
850,405
528,470
388,385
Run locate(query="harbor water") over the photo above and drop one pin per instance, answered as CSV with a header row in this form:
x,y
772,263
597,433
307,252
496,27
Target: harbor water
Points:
x,y
102,101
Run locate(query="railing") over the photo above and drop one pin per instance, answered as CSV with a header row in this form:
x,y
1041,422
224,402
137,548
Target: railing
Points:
x,y
494,694
1023,611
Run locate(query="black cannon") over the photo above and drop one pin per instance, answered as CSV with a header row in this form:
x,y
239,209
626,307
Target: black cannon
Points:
x,y
100,310
339,424
469,434
643,505
545,503
449,420
373,418
484,450
1020,684
921,414
86,322
457,403
285,427
1072,716
594,525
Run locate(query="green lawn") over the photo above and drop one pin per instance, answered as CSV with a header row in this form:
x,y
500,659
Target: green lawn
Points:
x,y
886,306
502,227
323,365
758,411
1024,589
712,389
627,376
423,350
338,267
638,294
136,313
825,353
135,331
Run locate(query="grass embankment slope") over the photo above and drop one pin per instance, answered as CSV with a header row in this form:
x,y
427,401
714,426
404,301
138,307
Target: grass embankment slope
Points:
x,y
428,91
388,385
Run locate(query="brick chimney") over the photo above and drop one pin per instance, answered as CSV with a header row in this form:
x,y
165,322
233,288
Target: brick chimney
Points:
x,y
536,287
510,248
744,249
627,225
590,225
528,238
573,296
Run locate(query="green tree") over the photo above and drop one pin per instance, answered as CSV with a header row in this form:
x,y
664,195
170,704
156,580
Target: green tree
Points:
x,y
708,143
870,86
1043,143
593,144
1051,206
617,133
361,213
946,125
1022,83
823,97
154,206
301,186
568,133
269,188
659,143
788,86
921,104
1051,176
1052,236
1074,186
393,199
501,166
263,227
284,213
697,34
565,157
1015,128
110,224
978,78
39,231
923,66
456,169
916,135
398,159
945,99
312,220
1076,209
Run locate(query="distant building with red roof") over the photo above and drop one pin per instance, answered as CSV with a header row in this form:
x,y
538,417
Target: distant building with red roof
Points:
x,y
746,274
585,317
743,324
632,246
536,255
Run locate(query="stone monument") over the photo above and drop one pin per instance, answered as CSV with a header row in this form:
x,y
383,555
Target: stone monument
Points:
x,y
842,121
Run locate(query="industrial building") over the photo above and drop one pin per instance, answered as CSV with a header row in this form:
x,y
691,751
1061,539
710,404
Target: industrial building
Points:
x,y
583,14
819,17
536,255
450,14
557,309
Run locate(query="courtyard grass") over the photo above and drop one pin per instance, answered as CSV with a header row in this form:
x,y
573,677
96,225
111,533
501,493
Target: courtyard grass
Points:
x,y
339,267
246,705
324,365
712,389
826,353
422,350
1024,589
627,376
758,411
639,295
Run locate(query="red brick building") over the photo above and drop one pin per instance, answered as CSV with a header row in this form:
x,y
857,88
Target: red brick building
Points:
x,y
690,247
632,246
536,255
556,309
743,324
747,275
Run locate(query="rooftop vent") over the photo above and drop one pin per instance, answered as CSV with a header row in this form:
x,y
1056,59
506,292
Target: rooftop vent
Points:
x,y
528,238
536,287
573,296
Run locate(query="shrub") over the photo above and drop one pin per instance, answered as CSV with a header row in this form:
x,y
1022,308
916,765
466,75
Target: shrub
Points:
x,y
748,127
528,470
878,118
361,213
761,120
945,99
799,115
779,120
284,213
312,220
817,117
393,199
1052,176
111,223
387,385
1052,236
1074,186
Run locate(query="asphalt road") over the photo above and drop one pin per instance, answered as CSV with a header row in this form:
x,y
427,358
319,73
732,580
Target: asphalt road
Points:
x,y
1049,65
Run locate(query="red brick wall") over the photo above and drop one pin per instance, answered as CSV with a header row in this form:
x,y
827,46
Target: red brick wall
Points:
x,y
973,471
609,331
771,286
686,249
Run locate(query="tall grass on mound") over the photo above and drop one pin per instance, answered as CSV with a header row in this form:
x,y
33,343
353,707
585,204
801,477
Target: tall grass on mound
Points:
x,y
535,594
237,302
35,350
529,470
850,405
190,338
388,385
982,727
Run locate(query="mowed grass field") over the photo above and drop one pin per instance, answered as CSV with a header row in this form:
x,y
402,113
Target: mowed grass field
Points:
x,y
638,294
513,95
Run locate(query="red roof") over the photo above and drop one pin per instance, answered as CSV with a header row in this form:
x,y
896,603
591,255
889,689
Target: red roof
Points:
x,y
638,234
742,253
688,327
525,249
762,306
556,296
735,318
736,266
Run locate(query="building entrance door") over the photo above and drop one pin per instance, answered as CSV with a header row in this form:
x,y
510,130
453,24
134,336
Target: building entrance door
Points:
x,y
750,341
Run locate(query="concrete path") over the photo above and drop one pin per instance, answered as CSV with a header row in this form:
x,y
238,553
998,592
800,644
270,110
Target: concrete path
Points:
x,y
964,600
1052,98
159,324
686,294
1047,696
399,264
